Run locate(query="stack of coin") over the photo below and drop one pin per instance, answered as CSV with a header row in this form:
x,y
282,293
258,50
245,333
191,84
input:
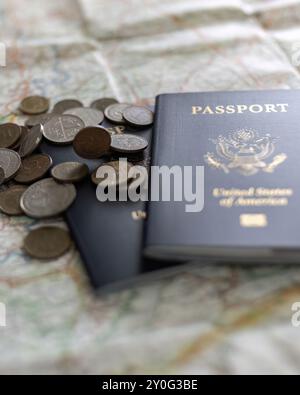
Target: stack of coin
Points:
x,y
29,185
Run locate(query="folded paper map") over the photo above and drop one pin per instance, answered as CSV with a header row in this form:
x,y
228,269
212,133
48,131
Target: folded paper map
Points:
x,y
208,319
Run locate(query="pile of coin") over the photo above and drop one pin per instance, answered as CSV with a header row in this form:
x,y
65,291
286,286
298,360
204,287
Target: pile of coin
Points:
x,y
30,185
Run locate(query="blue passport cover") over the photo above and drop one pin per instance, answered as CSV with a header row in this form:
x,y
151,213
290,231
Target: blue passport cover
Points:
x,y
249,145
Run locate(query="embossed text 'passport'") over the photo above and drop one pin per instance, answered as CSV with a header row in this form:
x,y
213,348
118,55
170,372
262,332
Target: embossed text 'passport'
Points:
x,y
248,144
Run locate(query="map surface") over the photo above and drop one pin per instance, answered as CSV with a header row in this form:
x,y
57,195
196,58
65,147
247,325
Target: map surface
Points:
x,y
203,319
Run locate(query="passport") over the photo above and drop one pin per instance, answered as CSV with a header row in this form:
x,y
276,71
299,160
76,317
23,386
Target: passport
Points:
x,y
248,146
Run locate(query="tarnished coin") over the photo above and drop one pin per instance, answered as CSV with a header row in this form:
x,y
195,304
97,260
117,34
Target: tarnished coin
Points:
x,y
102,104
32,139
47,242
38,119
6,185
114,112
47,198
70,171
10,200
10,133
24,131
10,162
90,116
92,142
2,176
62,129
138,116
33,168
64,105
34,105
128,143
118,178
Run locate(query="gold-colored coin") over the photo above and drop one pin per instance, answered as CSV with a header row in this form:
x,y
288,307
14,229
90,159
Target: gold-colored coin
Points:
x,y
34,105
10,200
10,133
118,178
47,242
66,104
24,131
102,104
70,172
33,168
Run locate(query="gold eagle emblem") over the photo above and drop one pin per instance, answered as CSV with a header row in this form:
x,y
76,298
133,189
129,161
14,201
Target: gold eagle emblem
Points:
x,y
245,152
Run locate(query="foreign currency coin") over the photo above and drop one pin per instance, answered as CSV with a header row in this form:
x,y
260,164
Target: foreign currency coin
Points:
x,y
70,171
10,133
114,112
10,162
32,139
33,168
47,242
34,105
64,105
92,142
47,198
38,119
128,143
138,116
120,176
24,131
102,104
90,116
10,200
2,176
62,129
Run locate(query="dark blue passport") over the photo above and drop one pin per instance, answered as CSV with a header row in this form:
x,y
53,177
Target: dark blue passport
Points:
x,y
248,144
108,235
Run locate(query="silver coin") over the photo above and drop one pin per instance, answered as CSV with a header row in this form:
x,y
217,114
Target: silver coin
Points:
x,y
128,143
90,116
62,129
114,112
47,198
31,140
138,116
70,171
64,105
37,119
10,162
